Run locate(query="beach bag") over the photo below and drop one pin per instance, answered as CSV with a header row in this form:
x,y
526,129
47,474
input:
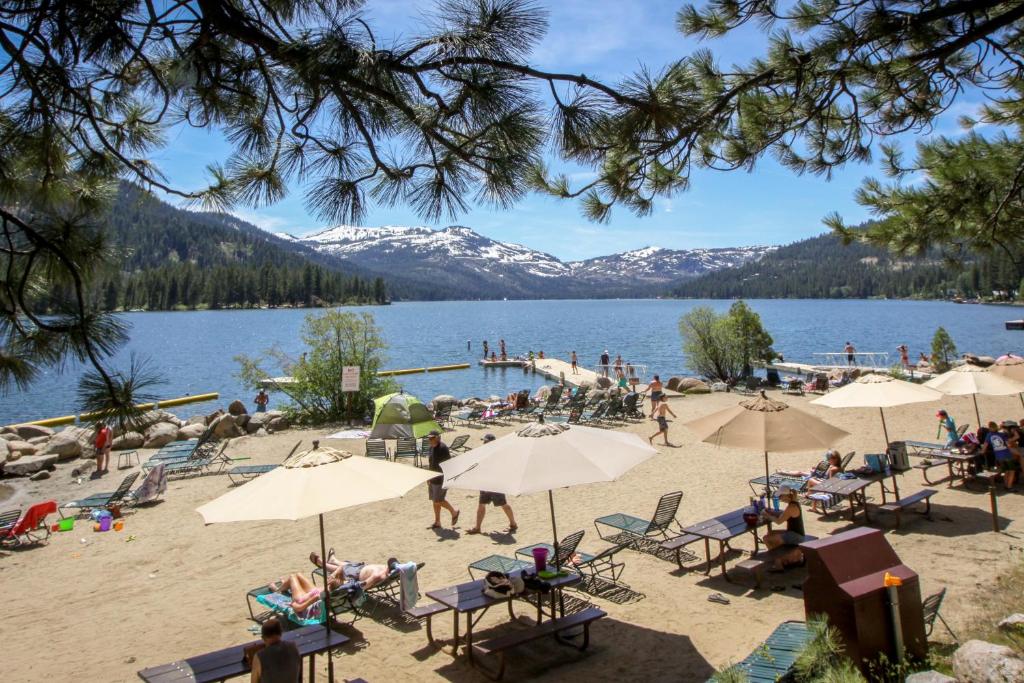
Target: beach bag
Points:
x,y
876,461
500,585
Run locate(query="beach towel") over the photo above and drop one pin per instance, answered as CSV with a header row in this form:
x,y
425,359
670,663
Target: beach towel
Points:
x,y
409,590
153,486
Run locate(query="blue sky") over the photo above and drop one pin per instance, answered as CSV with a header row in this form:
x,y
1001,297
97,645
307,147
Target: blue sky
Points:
x,y
607,39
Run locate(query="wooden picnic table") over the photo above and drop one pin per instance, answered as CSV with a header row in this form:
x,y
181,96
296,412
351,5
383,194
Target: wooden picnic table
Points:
x,y
230,662
853,490
469,599
956,462
723,529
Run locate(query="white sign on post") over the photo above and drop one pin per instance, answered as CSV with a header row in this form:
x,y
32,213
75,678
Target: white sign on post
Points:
x,y
350,378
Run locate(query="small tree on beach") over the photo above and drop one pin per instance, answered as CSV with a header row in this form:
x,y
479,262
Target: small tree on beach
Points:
x,y
333,340
943,350
749,338
707,344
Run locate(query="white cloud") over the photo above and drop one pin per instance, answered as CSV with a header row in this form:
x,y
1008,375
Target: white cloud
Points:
x,y
268,222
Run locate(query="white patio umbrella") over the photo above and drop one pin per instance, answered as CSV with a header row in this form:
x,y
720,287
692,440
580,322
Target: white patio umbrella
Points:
x,y
766,425
968,379
314,482
544,457
878,391
1011,366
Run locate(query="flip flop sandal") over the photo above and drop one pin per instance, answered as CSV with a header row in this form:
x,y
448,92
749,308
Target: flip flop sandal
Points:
x,y
511,530
455,518
719,598
472,531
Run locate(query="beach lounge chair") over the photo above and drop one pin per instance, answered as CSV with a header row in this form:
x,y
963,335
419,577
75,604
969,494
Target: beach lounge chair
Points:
x,y
205,451
7,520
468,417
376,448
101,500
387,590
774,658
424,447
406,448
151,488
615,409
794,387
552,404
247,472
595,415
31,527
342,599
628,528
749,385
459,443
500,563
931,606
443,414
213,464
631,407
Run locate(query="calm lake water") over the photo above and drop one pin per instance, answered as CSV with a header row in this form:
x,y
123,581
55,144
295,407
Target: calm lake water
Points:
x,y
194,350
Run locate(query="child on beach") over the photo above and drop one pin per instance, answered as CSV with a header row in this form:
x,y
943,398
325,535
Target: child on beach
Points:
x,y
946,423
659,415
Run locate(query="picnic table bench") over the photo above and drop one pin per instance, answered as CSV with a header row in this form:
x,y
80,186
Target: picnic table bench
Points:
x,y
757,563
773,659
957,465
898,506
229,662
499,645
677,543
723,529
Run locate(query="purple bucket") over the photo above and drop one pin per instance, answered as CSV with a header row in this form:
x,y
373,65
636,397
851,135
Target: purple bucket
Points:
x,y
540,558
105,523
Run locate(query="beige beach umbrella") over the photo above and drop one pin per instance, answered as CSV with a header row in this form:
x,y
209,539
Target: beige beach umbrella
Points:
x,y
1011,366
968,379
766,425
314,482
544,457
878,391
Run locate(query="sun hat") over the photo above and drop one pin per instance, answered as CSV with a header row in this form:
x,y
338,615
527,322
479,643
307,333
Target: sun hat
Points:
x,y
785,491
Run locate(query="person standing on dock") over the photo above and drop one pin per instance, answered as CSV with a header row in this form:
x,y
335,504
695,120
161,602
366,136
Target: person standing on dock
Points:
x,y
501,346
605,362
261,401
495,499
439,453
485,349
575,368
618,366
851,358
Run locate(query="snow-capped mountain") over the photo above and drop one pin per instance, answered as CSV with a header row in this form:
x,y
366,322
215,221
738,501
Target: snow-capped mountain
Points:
x,y
462,262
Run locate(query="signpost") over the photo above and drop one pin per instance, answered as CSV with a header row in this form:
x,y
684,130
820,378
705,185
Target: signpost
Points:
x,y
350,384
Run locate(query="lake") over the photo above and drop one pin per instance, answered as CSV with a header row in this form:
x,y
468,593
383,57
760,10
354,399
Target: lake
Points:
x,y
194,350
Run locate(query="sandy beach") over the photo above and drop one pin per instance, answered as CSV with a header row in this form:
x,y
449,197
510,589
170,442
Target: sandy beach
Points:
x,y
101,606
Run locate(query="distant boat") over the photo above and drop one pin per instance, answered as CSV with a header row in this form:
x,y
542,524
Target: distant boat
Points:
x,y
1015,324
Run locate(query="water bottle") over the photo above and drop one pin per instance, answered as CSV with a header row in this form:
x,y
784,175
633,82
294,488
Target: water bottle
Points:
x,y
775,503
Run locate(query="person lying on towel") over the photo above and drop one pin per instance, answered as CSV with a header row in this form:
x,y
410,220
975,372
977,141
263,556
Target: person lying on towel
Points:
x,y
343,571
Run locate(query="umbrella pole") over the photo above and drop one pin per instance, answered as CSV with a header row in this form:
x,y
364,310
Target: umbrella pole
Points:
x,y
1021,399
554,530
767,476
976,413
324,595
885,431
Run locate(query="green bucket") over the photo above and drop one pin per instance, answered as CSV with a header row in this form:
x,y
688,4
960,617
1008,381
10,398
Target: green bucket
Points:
x,y
66,524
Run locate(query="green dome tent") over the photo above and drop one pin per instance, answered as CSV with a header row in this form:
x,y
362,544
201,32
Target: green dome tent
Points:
x,y
398,415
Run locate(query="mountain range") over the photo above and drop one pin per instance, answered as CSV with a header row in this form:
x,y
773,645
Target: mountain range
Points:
x,y
457,262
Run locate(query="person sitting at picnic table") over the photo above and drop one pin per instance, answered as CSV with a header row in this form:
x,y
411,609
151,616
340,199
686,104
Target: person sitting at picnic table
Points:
x,y
794,534
278,660
996,444
833,467
343,571
946,423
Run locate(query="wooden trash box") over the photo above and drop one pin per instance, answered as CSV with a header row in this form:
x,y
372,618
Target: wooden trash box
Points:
x,y
845,575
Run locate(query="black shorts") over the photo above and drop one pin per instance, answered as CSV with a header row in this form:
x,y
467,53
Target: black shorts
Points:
x,y
492,498
662,424
436,492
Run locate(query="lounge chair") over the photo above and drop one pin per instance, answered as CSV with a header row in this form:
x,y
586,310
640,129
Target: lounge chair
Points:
x,y
376,448
459,443
214,464
7,519
552,404
389,589
206,451
468,417
615,409
424,447
635,529
443,414
406,448
341,600
102,500
31,527
247,472
151,488
631,406
500,563
794,387
774,658
931,606
595,415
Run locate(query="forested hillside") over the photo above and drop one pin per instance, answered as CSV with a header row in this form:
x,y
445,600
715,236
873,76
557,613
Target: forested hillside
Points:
x,y
821,267
164,258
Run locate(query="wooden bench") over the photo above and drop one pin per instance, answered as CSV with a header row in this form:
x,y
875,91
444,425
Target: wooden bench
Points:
x,y
677,544
502,644
757,564
427,611
898,506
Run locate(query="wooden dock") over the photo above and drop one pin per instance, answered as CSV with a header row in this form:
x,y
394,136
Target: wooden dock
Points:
x,y
559,370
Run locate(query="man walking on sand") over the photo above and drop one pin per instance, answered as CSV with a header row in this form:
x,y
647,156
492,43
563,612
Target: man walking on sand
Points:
x,y
439,453
659,415
104,439
575,369
495,499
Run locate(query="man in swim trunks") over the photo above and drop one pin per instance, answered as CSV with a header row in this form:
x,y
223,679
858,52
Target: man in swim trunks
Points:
x,y
343,571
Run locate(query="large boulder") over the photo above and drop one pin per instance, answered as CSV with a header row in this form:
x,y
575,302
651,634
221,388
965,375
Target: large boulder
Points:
x,y
692,385
128,441
242,420
10,436
160,434
38,440
929,677
443,399
212,417
673,383
237,408
196,420
27,432
23,447
224,427
4,450
277,423
65,445
979,662
28,465
603,382
191,431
